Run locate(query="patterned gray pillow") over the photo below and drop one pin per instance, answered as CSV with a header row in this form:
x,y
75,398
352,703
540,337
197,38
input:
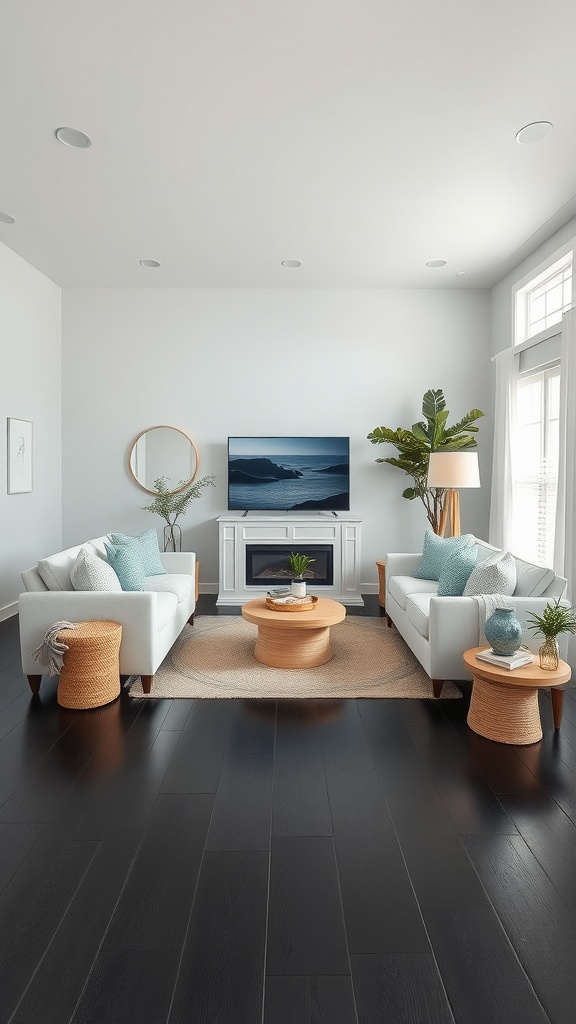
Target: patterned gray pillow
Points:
x,y
90,572
495,575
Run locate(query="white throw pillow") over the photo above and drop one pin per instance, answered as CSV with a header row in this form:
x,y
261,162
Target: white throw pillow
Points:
x,y
532,580
90,572
495,575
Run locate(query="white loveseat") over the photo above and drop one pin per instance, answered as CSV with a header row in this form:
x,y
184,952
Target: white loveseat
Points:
x,y
439,629
151,619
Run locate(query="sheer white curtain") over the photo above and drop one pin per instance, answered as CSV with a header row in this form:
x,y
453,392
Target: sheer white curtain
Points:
x,y
565,541
502,497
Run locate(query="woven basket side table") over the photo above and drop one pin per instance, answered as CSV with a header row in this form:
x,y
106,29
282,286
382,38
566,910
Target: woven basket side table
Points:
x,y
90,676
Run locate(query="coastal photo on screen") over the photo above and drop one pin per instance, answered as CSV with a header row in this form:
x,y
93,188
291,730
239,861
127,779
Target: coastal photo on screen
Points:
x,y
288,473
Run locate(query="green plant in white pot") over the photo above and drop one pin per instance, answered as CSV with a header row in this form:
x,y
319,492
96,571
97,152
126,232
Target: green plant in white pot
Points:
x,y
555,619
299,564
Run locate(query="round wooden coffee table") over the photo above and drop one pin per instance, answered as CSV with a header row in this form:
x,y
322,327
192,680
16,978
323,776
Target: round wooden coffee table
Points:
x,y
504,702
294,639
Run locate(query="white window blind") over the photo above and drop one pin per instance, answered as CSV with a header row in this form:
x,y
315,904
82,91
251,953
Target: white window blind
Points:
x,y
536,465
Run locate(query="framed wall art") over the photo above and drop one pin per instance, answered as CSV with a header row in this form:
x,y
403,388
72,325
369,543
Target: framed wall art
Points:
x,y
19,456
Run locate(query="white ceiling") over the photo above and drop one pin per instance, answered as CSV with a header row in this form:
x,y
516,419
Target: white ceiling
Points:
x,y
361,138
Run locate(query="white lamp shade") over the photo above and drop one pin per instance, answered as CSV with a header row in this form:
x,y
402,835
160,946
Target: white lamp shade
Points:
x,y
453,470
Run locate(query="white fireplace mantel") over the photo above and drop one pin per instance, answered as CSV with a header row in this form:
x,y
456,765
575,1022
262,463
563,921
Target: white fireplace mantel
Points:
x,y
291,529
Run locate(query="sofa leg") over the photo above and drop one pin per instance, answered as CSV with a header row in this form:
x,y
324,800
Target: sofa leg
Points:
x,y
34,682
191,619
146,683
437,685
389,621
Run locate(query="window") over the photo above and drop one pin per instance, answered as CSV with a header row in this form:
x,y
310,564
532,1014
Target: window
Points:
x,y
542,301
536,465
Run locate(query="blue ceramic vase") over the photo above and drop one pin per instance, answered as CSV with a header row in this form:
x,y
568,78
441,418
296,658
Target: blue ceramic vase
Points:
x,y
503,631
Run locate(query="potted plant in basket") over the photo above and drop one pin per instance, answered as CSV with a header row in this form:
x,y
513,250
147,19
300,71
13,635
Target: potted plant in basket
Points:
x,y
298,565
172,504
555,619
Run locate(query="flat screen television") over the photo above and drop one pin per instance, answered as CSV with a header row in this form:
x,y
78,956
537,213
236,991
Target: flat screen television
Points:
x,y
288,473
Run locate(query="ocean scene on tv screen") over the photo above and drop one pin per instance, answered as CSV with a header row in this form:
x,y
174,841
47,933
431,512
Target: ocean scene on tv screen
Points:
x,y
288,473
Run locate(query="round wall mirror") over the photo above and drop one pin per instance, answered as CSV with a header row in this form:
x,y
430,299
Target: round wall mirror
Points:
x,y
163,452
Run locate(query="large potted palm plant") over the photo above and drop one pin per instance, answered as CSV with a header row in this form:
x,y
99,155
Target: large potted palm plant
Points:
x,y
415,446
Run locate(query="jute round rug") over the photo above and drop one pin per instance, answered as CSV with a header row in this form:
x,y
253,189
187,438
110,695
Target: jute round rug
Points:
x,y
215,658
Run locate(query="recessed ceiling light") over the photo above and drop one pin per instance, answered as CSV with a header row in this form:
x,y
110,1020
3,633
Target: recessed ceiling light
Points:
x,y
73,137
149,263
460,273
534,132
6,218
292,264
436,263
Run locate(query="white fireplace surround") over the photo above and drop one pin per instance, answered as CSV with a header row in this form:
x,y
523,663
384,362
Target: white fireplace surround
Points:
x,y
236,532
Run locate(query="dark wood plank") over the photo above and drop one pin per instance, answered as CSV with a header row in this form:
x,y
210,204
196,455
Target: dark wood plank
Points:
x,y
126,800
242,806
134,988
539,920
155,905
222,971
61,975
32,907
479,968
380,908
300,801
197,761
471,803
550,835
401,988
16,841
309,1000
305,924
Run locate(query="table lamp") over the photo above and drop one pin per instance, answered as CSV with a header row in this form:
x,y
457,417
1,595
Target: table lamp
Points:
x,y
451,471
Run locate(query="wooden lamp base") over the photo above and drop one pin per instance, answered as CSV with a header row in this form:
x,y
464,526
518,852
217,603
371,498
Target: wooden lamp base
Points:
x,y
450,515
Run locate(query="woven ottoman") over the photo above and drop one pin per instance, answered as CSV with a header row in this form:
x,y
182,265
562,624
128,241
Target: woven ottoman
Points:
x,y
90,675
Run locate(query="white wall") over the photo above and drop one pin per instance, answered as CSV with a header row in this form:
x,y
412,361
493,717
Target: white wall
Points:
x,y
30,389
216,362
501,294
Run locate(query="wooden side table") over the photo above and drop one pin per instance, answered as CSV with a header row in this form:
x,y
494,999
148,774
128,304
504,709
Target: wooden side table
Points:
x,y
504,702
381,566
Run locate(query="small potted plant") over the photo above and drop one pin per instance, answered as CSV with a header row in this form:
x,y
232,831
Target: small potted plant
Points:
x,y
555,619
298,565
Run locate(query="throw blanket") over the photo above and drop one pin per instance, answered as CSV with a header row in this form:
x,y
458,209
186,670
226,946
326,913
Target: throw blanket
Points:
x,y
487,604
50,653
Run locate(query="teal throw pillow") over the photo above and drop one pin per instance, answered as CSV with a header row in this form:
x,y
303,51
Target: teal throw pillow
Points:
x,y
126,560
456,572
150,550
437,551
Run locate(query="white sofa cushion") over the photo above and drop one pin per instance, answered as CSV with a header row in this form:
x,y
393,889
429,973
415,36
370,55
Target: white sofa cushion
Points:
x,y
90,572
495,575
55,570
173,583
532,580
400,587
418,611
167,605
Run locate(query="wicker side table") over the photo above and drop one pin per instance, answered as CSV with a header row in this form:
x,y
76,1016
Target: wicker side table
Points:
x,y
90,675
504,702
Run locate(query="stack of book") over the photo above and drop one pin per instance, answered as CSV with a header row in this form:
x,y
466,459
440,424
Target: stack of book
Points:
x,y
521,657
279,592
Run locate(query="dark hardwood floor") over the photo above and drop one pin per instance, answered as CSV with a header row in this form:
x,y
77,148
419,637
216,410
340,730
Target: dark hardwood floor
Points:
x,y
236,862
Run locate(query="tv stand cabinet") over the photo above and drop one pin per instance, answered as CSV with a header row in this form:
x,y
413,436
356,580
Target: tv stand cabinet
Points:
x,y
237,531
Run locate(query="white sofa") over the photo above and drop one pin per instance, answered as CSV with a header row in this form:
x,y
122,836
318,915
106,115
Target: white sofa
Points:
x,y
439,629
151,619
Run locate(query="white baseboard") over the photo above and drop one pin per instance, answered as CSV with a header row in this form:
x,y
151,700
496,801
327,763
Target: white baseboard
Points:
x,y
212,588
8,611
